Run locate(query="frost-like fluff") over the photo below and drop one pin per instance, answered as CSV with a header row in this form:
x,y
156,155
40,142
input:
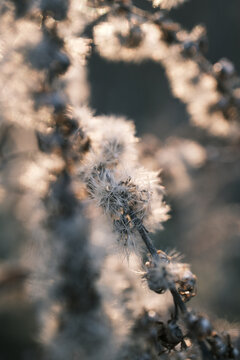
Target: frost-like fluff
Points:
x,y
116,40
112,138
193,81
199,91
125,297
17,79
78,49
167,4
129,195
131,199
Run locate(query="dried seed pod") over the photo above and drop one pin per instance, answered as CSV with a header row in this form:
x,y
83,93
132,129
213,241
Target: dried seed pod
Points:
x,y
167,273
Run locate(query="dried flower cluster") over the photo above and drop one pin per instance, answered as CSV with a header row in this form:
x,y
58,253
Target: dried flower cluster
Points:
x,y
131,197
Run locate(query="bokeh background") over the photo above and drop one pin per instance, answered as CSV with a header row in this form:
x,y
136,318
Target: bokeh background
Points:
x,y
205,222
201,174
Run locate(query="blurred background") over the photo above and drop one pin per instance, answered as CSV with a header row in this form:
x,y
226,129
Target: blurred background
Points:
x,y
201,173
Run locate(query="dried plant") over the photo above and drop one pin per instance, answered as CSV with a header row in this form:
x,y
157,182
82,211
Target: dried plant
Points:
x,y
73,183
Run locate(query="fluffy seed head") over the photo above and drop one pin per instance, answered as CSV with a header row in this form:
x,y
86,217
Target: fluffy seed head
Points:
x,y
127,200
130,196
113,140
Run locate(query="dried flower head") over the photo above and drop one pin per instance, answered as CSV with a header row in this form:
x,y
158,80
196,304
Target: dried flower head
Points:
x,y
130,196
130,201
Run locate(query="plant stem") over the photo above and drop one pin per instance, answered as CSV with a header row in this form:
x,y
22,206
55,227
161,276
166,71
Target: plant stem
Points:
x,y
153,251
148,242
177,299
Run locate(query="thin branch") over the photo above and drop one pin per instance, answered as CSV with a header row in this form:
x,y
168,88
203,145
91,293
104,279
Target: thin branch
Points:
x,y
148,242
153,251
